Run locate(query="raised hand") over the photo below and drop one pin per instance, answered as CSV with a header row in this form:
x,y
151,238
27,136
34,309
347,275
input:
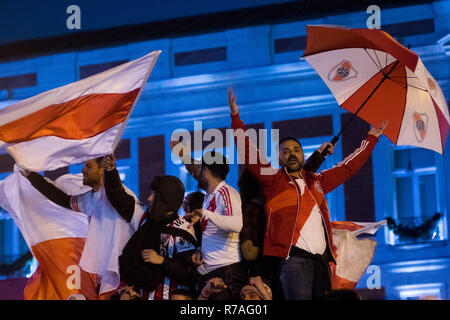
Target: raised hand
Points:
x,y
24,172
326,146
109,162
377,132
173,143
232,101
214,285
176,147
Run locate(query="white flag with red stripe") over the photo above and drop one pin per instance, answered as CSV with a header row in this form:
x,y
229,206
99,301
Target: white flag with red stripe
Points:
x,y
353,255
77,122
55,235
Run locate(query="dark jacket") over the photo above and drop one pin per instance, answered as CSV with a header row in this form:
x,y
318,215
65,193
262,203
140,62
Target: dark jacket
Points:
x,y
164,211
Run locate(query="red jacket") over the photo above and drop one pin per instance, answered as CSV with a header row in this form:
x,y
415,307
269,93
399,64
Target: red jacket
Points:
x,y
283,194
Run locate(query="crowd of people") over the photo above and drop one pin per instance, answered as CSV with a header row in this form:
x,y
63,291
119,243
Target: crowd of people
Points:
x,y
272,239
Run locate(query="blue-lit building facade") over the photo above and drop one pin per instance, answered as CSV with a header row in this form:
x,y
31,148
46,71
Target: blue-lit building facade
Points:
x,y
275,90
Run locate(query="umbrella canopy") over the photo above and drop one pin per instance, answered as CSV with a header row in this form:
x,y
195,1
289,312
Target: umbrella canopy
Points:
x,y
372,75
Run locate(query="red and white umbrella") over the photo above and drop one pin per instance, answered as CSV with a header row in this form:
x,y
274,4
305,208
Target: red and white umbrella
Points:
x,y
375,77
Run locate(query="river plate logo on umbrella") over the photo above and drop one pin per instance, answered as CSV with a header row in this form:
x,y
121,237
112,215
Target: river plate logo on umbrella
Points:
x,y
420,122
342,71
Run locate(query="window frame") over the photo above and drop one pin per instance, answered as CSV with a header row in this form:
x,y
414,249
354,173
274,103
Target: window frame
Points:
x,y
415,173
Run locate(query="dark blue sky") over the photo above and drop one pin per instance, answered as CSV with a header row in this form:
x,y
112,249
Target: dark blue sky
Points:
x,y
23,20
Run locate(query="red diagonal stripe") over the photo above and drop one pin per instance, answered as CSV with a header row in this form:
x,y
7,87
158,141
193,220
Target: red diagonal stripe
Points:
x,y
444,127
80,118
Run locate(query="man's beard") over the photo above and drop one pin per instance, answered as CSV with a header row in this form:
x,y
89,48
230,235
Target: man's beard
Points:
x,y
202,183
90,182
295,166
87,182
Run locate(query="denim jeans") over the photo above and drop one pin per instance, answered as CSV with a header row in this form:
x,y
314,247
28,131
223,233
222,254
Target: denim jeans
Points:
x,y
297,278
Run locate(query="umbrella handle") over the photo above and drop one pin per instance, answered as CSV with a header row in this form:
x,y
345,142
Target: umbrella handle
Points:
x,y
335,139
325,152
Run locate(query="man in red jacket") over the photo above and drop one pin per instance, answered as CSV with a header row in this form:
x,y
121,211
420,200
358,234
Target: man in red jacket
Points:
x,y
298,228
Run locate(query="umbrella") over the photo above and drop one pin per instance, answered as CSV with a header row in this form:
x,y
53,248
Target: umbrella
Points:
x,y
376,78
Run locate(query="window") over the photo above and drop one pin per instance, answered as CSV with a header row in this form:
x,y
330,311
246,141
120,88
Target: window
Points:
x,y
12,248
427,291
125,175
128,175
190,184
416,194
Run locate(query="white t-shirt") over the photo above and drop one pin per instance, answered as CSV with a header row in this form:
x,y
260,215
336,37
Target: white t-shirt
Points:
x,y
107,235
221,222
312,235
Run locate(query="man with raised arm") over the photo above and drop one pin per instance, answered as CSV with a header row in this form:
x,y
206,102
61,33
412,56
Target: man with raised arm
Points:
x,y
221,220
298,228
108,231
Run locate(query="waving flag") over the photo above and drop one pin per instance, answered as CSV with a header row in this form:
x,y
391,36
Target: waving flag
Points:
x,y
55,235
77,122
353,255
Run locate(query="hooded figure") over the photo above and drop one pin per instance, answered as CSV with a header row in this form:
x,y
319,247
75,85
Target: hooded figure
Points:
x,y
160,220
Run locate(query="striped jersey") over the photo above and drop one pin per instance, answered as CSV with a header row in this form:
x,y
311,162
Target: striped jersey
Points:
x,y
221,223
171,244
